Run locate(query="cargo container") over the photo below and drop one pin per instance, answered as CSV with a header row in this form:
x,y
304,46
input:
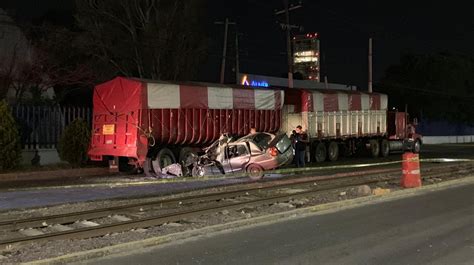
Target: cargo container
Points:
x,y
347,122
151,124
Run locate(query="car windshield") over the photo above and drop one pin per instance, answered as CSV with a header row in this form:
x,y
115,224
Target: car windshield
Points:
x,y
262,140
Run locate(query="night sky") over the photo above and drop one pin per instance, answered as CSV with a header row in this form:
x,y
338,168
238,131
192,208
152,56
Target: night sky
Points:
x,y
344,28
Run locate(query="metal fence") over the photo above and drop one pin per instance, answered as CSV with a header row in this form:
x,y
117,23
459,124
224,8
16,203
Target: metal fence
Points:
x,y
41,126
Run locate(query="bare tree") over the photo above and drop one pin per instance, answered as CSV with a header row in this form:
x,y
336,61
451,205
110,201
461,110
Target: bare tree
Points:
x,y
51,64
158,39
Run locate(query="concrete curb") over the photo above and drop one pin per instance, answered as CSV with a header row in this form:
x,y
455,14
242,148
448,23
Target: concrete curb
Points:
x,y
252,222
53,174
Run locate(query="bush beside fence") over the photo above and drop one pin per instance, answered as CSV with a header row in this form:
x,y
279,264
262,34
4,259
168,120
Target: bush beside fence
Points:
x,y
41,127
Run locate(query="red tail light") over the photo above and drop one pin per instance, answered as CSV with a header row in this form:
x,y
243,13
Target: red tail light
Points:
x,y
273,151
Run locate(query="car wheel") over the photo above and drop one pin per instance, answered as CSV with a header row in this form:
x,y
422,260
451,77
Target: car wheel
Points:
x,y
333,151
255,172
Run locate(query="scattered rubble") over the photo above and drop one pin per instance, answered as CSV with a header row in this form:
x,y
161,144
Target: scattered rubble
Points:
x,y
380,191
283,205
362,190
299,203
31,232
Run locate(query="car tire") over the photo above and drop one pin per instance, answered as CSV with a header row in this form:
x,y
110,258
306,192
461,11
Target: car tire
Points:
x,y
255,172
333,151
320,152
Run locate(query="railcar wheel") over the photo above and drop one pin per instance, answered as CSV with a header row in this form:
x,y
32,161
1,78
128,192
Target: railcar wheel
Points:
x,y
148,169
374,148
320,153
384,148
163,158
417,147
333,151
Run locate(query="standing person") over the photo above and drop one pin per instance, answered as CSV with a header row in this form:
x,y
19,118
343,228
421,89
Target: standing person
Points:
x,y
301,139
253,130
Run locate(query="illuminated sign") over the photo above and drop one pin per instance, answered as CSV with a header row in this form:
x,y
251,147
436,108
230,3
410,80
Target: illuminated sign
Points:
x,y
246,82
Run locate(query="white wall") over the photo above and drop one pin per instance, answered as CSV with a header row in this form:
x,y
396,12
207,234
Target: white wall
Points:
x,y
448,139
47,156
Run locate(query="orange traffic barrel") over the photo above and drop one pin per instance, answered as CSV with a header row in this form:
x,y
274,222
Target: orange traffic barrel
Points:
x,y
411,170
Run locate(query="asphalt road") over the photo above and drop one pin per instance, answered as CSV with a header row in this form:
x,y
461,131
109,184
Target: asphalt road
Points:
x,y
435,228
13,199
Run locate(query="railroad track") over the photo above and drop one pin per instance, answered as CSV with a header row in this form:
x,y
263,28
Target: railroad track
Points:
x,y
127,217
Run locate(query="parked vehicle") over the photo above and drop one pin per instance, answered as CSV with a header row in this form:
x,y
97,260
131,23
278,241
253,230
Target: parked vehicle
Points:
x,y
152,124
252,154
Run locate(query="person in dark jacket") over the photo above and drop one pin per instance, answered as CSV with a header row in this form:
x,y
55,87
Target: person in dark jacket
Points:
x,y
300,142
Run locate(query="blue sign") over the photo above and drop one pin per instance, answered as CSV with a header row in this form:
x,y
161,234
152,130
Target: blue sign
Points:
x,y
245,82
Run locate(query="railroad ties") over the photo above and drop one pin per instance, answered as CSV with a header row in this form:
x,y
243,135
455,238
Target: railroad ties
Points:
x,y
105,221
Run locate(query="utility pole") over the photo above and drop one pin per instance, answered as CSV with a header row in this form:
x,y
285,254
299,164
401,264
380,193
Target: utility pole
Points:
x,y
288,27
224,49
288,46
237,66
370,66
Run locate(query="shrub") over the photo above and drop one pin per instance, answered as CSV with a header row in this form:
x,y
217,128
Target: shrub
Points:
x,y
74,143
10,148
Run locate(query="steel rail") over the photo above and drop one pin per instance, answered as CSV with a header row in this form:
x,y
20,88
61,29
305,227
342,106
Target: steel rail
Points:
x,y
101,230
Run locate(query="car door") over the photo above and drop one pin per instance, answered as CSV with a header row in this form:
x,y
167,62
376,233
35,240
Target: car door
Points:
x,y
237,157
283,145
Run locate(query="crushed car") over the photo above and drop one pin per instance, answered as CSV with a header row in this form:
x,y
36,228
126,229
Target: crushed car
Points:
x,y
253,154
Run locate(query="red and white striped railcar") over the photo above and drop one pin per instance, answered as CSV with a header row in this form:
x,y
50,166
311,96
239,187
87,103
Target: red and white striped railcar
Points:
x,y
336,114
344,120
143,120
132,114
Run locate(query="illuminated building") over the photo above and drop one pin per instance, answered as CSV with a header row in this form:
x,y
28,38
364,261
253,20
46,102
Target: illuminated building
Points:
x,y
306,56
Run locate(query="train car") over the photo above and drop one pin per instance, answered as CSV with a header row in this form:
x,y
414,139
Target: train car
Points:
x,y
151,124
347,122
